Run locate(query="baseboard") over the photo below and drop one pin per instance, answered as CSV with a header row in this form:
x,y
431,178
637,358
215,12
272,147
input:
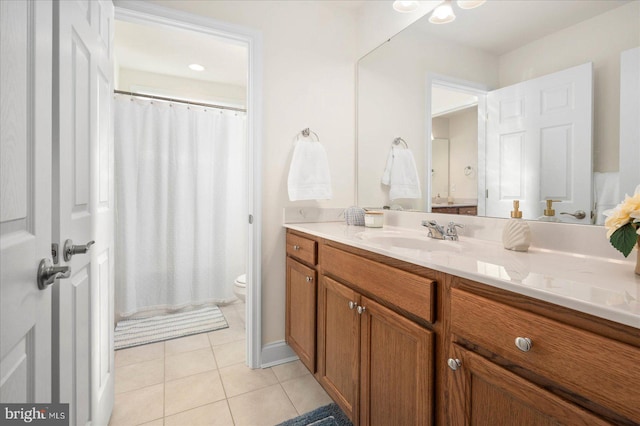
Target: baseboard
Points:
x,y
277,353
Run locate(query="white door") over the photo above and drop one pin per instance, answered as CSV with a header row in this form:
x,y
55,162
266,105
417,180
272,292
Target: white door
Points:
x,y
539,145
629,121
25,200
83,209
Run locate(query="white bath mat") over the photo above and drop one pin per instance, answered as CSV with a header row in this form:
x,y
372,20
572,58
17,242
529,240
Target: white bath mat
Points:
x,y
140,331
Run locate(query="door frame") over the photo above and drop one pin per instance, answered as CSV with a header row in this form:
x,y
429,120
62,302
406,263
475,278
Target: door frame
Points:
x,y
480,91
145,13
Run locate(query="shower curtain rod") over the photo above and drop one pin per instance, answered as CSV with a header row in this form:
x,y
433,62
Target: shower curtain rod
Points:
x,y
181,101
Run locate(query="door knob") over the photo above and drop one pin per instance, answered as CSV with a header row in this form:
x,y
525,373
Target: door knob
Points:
x,y
47,273
352,305
309,279
70,249
361,309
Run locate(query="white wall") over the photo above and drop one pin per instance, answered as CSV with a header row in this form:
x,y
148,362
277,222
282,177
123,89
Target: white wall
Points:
x,y
183,88
599,40
309,74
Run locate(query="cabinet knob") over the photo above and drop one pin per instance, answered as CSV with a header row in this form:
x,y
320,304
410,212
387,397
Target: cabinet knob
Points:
x,y
309,279
352,304
296,248
454,363
361,309
524,344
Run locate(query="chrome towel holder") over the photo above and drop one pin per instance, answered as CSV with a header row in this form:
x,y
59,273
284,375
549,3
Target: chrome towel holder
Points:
x,y
399,140
306,132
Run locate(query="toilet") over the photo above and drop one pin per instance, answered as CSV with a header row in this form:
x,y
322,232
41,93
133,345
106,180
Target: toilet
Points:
x,y
240,287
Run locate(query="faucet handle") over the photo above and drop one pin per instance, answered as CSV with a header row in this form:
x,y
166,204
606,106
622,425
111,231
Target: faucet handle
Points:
x,y
452,232
452,226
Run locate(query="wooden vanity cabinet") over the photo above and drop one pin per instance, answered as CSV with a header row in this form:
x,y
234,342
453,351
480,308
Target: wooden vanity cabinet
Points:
x,y
377,364
486,394
301,293
540,369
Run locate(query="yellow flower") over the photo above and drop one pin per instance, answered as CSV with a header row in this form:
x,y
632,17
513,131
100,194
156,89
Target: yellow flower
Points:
x,y
625,212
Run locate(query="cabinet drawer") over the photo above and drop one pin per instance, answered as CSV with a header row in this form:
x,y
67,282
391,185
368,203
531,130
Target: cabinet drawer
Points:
x,y
406,291
469,211
302,248
449,210
566,355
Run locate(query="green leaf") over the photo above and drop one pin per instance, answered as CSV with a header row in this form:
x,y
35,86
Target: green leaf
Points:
x,y
624,239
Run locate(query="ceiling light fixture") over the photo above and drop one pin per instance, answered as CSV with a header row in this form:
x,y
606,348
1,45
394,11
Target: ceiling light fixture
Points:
x,y
443,14
405,6
196,67
469,4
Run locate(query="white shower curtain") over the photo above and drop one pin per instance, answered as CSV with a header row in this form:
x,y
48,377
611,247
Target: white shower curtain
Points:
x,y
180,205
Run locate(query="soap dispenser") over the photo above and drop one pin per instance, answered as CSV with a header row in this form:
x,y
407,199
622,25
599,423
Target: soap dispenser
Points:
x,y
516,234
549,213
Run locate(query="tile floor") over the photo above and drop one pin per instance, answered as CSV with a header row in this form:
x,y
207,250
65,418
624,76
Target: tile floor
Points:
x,y
202,380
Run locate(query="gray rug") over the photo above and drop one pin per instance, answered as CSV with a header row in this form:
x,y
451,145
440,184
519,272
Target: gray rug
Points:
x,y
141,331
329,415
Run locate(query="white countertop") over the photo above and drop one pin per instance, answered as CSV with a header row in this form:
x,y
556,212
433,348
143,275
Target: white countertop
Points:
x,y
602,287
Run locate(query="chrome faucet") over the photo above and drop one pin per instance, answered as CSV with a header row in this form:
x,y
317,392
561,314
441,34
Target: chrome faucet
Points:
x,y
437,231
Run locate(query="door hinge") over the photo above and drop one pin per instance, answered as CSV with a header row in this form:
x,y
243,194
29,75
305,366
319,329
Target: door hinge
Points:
x,y
54,253
250,219
486,193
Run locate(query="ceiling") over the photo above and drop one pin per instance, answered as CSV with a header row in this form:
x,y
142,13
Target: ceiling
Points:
x,y
169,50
166,50
500,26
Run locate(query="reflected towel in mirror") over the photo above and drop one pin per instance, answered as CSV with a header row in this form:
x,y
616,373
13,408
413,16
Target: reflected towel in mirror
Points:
x,y
401,175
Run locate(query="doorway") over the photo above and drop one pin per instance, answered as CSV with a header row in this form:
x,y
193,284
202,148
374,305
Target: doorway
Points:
x,y
159,18
457,99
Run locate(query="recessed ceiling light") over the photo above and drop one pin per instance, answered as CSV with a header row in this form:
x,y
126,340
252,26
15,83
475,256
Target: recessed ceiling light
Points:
x,y
196,67
405,6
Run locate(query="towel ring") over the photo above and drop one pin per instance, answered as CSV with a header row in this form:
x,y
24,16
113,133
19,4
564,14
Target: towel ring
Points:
x,y
306,133
398,141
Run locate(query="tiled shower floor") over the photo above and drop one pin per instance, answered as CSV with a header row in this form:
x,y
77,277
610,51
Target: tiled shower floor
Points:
x,y
202,380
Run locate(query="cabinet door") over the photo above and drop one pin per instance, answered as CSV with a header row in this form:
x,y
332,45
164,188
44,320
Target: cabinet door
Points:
x,y
396,369
339,341
300,324
483,393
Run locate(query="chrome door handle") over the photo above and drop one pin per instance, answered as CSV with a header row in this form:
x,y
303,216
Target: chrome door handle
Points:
x,y
69,249
578,214
47,273
361,309
309,279
352,305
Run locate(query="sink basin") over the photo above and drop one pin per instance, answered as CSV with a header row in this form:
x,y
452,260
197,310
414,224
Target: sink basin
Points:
x,y
393,239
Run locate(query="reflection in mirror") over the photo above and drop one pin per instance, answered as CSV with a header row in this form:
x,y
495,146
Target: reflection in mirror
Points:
x,y
440,169
496,45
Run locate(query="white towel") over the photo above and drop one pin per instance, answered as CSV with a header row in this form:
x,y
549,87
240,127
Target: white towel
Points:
x,y
607,193
309,177
401,175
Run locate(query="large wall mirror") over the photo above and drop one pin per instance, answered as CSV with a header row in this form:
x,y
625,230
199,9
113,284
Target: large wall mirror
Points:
x,y
520,99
